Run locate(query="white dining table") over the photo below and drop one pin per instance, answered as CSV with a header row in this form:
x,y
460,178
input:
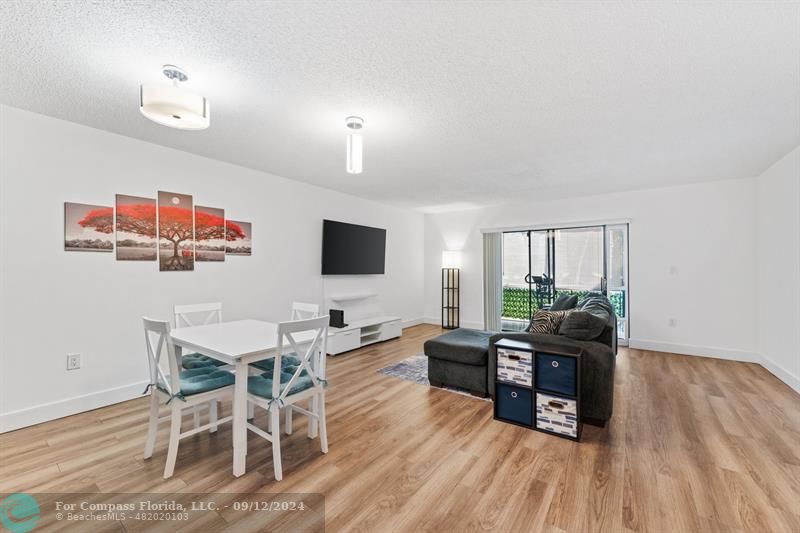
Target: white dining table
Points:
x,y
236,343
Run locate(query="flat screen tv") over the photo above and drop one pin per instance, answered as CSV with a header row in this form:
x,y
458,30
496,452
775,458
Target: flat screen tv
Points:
x,y
352,249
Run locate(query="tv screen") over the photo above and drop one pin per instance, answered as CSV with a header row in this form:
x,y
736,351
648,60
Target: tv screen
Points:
x,y
352,249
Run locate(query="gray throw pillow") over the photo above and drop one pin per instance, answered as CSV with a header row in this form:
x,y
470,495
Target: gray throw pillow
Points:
x,y
582,326
597,306
547,322
564,302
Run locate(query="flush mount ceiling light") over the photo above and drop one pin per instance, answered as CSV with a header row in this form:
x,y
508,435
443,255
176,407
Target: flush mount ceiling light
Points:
x,y
172,105
355,145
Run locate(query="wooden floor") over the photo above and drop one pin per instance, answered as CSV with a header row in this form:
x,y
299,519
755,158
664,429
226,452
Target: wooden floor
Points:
x,y
695,444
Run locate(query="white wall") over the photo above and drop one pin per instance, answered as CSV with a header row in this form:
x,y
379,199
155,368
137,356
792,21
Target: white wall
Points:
x,y
778,223
55,302
705,231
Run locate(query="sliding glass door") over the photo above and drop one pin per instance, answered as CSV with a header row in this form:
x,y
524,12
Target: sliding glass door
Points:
x,y
539,265
617,276
579,260
516,309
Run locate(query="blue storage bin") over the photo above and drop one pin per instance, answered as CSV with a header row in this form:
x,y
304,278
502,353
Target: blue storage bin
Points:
x,y
557,373
514,404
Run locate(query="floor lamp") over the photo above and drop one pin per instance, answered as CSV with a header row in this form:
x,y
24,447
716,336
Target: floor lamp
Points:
x,y
451,261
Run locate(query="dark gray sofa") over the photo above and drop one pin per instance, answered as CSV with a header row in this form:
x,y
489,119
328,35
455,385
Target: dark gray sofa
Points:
x,y
466,358
597,362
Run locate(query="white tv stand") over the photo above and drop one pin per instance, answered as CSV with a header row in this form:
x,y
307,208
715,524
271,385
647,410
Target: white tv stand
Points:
x,y
362,333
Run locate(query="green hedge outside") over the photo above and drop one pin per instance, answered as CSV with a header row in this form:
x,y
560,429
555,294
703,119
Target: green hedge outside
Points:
x,y
515,301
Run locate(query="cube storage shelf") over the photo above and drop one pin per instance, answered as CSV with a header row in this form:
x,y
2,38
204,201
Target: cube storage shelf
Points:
x,y
538,387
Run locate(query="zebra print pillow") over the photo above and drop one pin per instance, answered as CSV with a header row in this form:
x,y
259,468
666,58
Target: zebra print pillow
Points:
x,y
547,321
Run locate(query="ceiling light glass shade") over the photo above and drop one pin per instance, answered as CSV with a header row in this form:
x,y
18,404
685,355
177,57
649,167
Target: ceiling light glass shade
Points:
x,y
174,106
451,259
355,153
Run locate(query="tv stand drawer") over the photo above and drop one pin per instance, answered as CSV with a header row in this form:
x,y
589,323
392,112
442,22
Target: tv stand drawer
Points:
x,y
391,330
344,341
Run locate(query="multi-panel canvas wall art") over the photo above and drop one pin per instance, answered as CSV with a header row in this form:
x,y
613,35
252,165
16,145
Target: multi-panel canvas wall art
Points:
x,y
239,237
170,228
88,228
209,233
175,231
136,228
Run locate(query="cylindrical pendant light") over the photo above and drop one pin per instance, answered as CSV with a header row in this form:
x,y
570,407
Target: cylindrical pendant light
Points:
x,y
355,146
172,105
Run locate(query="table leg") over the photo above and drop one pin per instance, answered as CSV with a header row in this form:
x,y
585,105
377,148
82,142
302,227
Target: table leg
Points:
x,y
240,420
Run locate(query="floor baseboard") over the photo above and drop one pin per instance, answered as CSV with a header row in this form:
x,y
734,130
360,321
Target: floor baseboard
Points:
x,y
688,349
437,321
30,416
51,411
781,373
412,322
721,353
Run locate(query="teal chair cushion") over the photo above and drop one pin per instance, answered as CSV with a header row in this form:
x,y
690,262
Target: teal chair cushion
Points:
x,y
261,385
204,379
287,360
196,360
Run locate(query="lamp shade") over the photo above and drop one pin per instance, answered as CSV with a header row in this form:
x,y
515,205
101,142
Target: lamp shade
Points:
x,y
451,259
173,106
355,153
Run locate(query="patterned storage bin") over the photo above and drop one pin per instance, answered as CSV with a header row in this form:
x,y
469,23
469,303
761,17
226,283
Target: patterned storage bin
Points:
x,y
515,366
557,414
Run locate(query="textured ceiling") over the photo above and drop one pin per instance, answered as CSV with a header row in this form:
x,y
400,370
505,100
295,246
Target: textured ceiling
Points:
x,y
465,103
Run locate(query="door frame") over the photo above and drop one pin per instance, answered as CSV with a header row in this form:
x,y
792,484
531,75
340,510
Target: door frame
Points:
x,y
550,230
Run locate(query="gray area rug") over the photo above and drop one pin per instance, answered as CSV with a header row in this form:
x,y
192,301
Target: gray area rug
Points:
x,y
415,369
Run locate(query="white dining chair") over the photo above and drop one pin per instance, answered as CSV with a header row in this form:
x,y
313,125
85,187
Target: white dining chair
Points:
x,y
302,310
188,315
182,389
198,314
287,385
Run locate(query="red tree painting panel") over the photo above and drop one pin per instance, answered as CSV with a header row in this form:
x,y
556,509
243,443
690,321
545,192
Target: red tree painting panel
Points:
x,y
88,228
209,233
136,228
175,231
239,237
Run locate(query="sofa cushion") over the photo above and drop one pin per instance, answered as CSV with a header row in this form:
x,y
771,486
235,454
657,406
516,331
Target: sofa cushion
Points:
x,y
547,322
596,304
564,302
262,385
582,325
467,346
204,379
196,360
289,361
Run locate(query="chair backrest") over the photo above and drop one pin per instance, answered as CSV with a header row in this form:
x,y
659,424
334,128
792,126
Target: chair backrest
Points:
x,y
198,314
312,354
301,310
158,340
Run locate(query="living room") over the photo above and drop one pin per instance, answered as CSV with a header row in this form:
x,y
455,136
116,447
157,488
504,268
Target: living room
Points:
x,y
475,265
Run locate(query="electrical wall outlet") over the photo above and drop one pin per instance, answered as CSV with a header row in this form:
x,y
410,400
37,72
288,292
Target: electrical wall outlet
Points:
x,y
73,361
